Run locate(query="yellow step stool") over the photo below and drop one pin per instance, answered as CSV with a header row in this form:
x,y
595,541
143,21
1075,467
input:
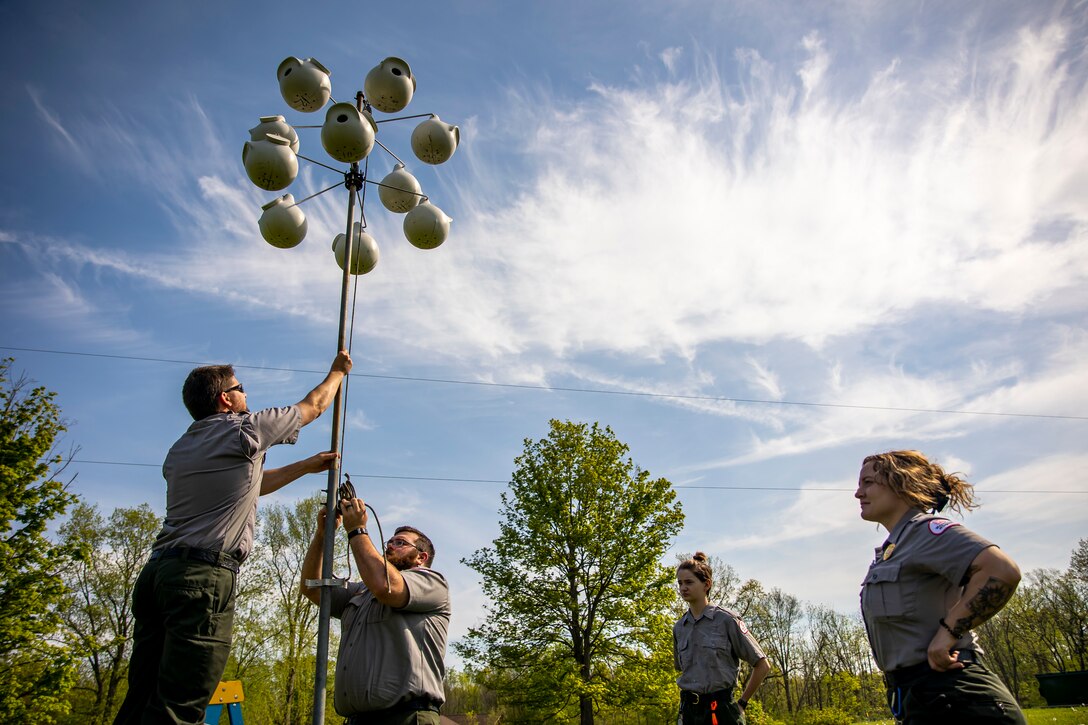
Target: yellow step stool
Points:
x,y
229,694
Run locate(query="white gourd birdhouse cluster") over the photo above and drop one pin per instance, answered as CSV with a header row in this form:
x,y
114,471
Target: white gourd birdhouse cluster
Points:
x,y
349,134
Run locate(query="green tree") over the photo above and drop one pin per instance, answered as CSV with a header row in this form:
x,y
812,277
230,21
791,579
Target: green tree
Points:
x,y
776,620
580,599
273,652
723,588
35,669
97,612
1078,562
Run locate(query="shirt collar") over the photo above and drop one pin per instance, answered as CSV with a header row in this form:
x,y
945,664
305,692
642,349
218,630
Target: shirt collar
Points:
x,y
708,613
907,518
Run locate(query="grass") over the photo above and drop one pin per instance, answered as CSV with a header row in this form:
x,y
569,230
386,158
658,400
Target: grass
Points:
x,y
1057,716
1035,716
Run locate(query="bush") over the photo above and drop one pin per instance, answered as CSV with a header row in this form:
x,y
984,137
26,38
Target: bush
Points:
x,y
754,714
827,716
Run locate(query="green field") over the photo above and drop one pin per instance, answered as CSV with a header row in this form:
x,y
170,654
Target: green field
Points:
x,y
1058,716
1035,716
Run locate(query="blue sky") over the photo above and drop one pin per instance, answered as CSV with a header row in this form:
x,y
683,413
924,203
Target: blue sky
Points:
x,y
877,207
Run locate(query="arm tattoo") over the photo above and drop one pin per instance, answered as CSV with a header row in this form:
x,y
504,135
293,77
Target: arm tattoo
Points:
x,y
987,602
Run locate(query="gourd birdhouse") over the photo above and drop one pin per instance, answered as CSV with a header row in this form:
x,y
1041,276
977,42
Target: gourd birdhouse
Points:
x,y
434,140
282,223
270,163
389,85
348,133
274,125
426,226
304,84
364,250
399,191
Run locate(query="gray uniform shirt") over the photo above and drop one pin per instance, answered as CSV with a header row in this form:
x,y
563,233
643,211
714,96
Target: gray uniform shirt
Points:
x,y
708,650
916,575
213,478
390,655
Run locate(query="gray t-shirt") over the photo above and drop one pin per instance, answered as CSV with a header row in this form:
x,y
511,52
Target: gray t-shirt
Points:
x,y
708,650
915,577
213,478
391,655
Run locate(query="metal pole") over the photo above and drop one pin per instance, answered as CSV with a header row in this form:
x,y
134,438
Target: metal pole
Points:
x,y
354,183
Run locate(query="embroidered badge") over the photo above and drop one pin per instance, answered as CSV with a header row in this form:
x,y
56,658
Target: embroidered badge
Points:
x,y
888,551
743,626
938,526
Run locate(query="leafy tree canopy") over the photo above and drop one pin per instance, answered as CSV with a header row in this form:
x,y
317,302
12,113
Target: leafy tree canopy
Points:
x,y
35,671
578,591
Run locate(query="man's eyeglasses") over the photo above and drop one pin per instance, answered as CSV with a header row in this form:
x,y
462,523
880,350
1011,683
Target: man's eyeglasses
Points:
x,y
237,387
398,542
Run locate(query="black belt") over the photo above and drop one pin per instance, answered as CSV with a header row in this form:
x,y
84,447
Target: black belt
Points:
x,y
704,699
215,558
416,704
904,675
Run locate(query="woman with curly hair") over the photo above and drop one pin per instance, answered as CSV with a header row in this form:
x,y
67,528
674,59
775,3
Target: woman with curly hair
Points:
x,y
931,582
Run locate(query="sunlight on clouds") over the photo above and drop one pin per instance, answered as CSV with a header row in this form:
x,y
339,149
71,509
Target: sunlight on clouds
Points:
x,y
655,219
646,232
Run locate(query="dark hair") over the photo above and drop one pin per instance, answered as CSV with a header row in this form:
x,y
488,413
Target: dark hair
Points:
x,y
922,483
422,542
202,389
698,566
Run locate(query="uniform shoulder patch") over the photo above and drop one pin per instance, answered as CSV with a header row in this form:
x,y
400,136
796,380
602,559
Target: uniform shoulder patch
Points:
x,y
939,526
742,625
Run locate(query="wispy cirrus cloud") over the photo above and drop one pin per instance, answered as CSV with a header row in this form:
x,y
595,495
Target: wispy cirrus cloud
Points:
x,y
677,212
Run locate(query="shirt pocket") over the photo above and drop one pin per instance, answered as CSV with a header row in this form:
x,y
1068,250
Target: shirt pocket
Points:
x,y
683,653
714,642
883,594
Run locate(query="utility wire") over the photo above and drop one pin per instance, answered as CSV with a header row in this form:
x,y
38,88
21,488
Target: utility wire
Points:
x,y
507,482
561,389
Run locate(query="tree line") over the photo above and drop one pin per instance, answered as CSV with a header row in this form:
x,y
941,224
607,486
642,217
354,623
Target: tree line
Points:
x,y
578,630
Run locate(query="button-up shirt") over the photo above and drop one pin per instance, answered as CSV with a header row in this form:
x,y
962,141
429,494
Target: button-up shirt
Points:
x,y
213,478
387,655
916,575
707,649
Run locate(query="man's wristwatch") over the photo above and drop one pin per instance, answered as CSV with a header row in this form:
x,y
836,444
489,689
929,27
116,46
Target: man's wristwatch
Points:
x,y
355,532
743,703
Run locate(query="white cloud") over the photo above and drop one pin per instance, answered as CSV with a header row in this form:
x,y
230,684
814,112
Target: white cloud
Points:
x,y
670,56
357,420
654,220
894,401
72,148
765,379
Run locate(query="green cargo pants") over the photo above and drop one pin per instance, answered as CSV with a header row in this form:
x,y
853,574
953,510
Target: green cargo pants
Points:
x,y
184,611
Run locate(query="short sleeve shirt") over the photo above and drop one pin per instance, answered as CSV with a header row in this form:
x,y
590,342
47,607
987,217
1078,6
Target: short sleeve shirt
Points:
x,y
707,650
391,655
213,478
916,575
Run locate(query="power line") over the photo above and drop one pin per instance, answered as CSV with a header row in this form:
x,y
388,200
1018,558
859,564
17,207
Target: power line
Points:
x,y
561,389
507,482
